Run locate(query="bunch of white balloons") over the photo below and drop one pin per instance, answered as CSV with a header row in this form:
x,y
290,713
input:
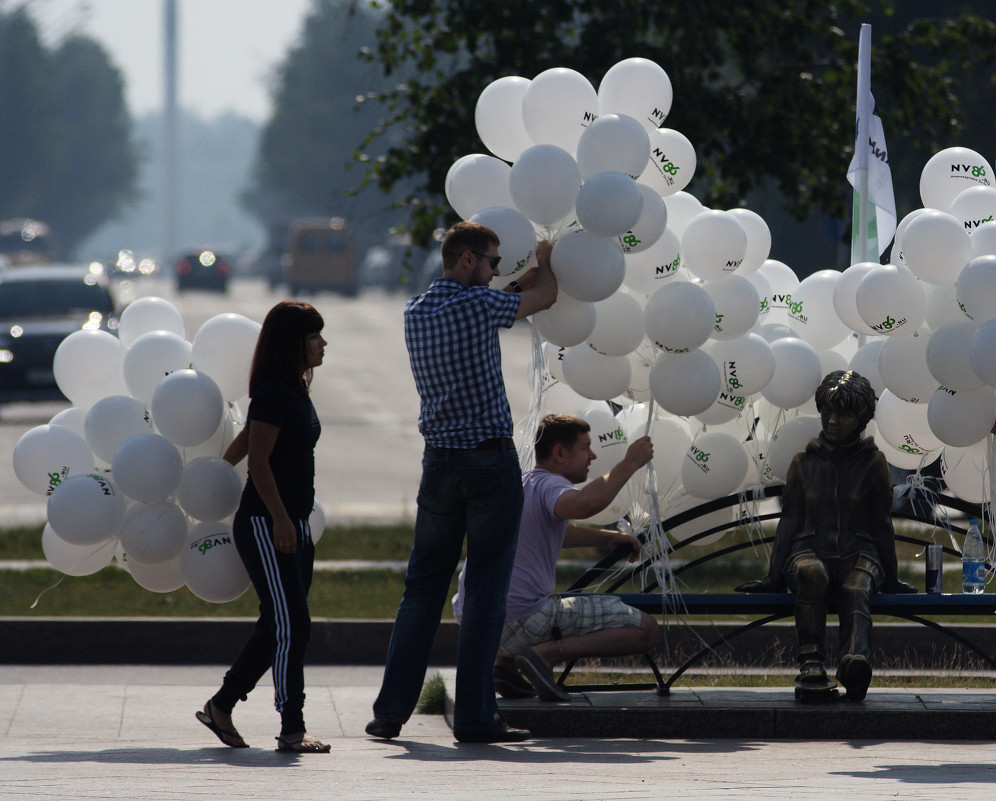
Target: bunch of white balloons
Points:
x,y
133,469
661,298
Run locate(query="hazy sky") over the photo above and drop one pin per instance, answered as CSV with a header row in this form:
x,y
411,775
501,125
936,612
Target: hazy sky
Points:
x,y
227,48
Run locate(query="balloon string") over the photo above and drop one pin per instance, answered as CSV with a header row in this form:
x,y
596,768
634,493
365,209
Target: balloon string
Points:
x,y
61,579
537,369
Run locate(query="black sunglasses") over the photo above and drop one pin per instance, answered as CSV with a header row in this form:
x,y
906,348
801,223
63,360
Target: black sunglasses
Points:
x,y
495,260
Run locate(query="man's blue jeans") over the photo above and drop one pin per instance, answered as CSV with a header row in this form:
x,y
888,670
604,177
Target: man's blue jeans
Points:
x,y
463,492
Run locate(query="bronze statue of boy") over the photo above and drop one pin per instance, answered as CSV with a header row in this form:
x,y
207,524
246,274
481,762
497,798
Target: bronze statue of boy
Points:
x,y
835,536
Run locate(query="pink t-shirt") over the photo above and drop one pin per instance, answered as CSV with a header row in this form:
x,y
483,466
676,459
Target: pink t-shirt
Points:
x,y
541,536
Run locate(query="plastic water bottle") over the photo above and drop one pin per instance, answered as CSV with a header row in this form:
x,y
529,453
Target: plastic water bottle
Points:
x,y
973,560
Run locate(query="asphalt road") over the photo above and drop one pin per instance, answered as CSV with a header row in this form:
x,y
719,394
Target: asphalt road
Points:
x,y
368,458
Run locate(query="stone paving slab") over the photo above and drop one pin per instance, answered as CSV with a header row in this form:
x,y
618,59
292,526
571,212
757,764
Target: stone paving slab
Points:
x,y
99,732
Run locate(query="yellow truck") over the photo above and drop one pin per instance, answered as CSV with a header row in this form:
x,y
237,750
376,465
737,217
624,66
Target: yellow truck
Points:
x,y
321,256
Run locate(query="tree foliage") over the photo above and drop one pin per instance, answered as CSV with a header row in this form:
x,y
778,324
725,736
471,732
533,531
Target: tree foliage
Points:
x,y
764,89
64,132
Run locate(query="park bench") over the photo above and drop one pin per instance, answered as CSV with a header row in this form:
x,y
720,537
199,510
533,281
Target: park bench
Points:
x,y
766,608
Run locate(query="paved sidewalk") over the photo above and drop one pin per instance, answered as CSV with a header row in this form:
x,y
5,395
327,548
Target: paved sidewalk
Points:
x,y
129,733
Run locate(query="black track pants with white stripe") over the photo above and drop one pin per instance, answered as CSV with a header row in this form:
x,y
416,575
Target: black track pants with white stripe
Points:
x,y
280,639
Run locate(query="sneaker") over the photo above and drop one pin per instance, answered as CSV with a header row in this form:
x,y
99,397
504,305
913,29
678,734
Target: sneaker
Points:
x,y
497,732
383,729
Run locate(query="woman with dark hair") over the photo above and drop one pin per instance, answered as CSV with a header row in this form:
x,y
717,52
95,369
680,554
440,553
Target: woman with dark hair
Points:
x,y
271,525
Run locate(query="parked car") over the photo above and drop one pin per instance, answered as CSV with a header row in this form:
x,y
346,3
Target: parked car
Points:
x,y
39,307
203,269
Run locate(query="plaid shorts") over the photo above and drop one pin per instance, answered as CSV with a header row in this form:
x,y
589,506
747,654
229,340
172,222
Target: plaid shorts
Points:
x,y
575,615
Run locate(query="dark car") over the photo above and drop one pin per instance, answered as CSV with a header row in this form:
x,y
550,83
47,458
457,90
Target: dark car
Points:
x,y
39,307
203,269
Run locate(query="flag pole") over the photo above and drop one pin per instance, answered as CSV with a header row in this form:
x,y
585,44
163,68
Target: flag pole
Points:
x,y
863,112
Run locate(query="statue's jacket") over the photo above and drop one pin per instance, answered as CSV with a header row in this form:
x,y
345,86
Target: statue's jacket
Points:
x,y
837,504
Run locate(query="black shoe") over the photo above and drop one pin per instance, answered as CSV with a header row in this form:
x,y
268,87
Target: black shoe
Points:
x,y
855,674
510,684
497,732
383,729
540,676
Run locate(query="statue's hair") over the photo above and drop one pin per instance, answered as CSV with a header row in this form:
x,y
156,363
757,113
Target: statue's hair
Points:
x,y
846,390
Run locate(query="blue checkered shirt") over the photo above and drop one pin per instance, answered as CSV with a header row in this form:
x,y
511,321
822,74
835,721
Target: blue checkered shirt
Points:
x,y
452,337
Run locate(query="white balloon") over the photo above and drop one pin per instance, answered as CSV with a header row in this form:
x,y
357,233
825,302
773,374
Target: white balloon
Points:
x,y
896,254
671,440
746,363
223,349
209,489
76,560
88,365
685,383
949,356
150,358
974,206
211,564
147,314
902,459
232,422
890,300
961,419
187,407
942,305
608,441
783,282
797,373
975,289
983,239
557,106
595,376
650,227
153,534
111,421
559,398
147,468
498,117
618,325
845,297
476,182
609,204
714,466
902,364
982,354
544,183
758,240
616,143
316,523
47,455
86,509
713,245
904,425
812,314
587,267
737,306
679,317
936,247
516,234
648,270
72,418
163,577
865,362
950,172
787,441
567,322
672,162
966,471
639,88
763,288
682,208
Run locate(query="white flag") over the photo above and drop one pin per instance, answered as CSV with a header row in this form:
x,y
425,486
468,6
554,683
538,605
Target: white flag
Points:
x,y
874,223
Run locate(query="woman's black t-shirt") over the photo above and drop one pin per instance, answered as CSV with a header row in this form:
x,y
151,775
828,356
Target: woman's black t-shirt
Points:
x,y
293,456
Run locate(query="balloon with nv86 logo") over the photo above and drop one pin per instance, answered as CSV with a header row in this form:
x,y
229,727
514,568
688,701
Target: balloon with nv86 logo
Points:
x,y
516,234
812,314
211,564
639,88
714,466
950,172
891,300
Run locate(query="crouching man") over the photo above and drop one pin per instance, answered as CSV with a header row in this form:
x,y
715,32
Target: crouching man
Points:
x,y
543,629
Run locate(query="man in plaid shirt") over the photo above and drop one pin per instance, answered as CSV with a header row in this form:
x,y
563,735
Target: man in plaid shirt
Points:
x,y
471,481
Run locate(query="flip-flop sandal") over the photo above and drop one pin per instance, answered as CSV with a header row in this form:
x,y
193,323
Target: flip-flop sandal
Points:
x,y
306,745
229,737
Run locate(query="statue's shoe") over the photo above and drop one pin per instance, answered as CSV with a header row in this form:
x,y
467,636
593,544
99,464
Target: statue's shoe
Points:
x,y
814,675
855,674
